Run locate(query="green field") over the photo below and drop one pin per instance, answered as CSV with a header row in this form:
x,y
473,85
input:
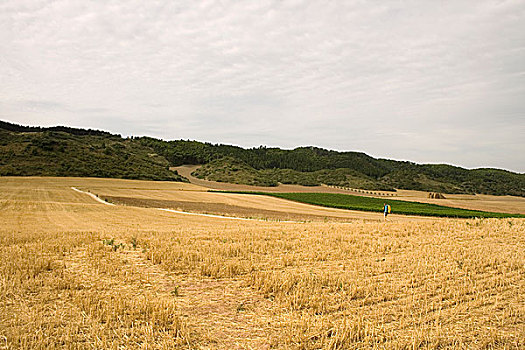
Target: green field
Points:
x,y
346,201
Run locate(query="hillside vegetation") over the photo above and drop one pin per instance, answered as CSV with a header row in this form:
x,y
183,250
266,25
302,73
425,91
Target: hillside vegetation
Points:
x,y
231,170
312,166
76,152
63,151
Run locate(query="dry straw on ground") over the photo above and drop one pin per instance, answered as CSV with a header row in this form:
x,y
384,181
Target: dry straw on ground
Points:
x,y
75,273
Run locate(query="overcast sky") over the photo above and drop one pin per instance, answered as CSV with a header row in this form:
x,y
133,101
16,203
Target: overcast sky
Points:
x,y
426,81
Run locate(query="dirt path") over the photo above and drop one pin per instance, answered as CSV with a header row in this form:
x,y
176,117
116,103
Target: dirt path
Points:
x,y
92,196
98,199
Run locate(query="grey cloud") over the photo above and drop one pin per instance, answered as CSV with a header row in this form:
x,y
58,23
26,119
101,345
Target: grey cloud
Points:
x,y
422,80
41,105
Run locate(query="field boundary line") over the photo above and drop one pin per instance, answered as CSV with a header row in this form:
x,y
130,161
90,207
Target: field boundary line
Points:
x,y
95,197
225,217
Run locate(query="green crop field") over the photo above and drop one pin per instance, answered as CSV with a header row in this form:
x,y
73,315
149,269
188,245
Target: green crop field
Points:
x,y
345,201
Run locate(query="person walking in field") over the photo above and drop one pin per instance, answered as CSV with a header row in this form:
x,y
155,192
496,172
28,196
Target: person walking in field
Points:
x,y
386,210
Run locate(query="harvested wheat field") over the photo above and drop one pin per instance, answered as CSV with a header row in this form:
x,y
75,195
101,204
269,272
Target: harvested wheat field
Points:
x,y
76,273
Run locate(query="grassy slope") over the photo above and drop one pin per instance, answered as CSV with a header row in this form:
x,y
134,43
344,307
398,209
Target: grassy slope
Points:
x,y
345,201
231,170
57,153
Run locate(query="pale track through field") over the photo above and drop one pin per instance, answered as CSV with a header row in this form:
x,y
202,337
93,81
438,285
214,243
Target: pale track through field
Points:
x,y
219,216
178,211
92,196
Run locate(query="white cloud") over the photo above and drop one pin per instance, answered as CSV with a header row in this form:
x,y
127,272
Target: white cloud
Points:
x,y
421,80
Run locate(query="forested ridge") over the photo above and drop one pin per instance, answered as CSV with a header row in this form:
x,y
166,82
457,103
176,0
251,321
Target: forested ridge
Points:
x,y
64,151
313,166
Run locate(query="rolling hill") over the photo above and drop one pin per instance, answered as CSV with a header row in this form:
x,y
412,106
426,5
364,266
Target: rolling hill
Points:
x,y
64,151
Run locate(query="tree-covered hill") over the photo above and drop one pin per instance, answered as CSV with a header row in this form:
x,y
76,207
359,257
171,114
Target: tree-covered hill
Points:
x,y
313,166
64,151
228,169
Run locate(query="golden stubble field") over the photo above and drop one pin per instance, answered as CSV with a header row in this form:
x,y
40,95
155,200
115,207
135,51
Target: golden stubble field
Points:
x,y
75,273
